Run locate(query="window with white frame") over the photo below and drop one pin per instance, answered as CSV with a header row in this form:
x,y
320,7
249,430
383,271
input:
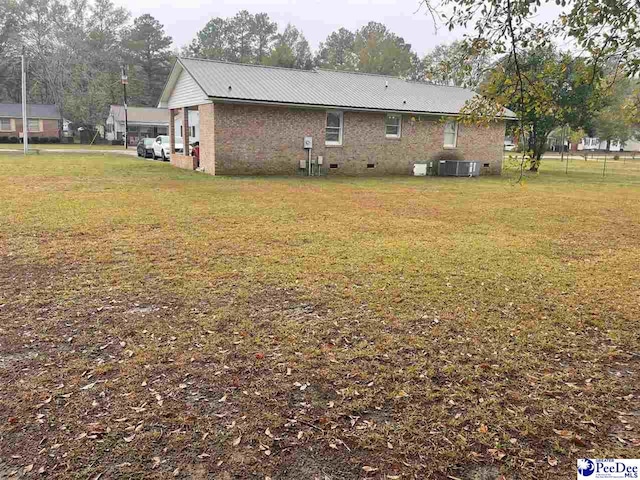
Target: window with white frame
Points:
x,y
5,124
333,132
393,125
33,124
451,134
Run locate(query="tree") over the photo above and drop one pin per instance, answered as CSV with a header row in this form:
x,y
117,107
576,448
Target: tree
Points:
x,y
240,35
245,38
381,51
210,42
603,29
336,52
264,31
291,50
611,122
557,91
147,48
458,64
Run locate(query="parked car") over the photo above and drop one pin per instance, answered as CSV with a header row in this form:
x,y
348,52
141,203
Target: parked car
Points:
x,y
509,146
145,147
161,147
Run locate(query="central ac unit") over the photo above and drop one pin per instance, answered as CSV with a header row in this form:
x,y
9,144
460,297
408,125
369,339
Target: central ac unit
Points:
x,y
457,168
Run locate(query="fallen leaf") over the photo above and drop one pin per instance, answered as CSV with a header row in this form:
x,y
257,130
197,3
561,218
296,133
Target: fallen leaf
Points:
x,y
483,428
368,469
223,399
130,439
389,445
28,468
236,442
552,461
89,386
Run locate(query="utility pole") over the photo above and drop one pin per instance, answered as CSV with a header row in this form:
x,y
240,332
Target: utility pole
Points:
x,y
25,121
125,81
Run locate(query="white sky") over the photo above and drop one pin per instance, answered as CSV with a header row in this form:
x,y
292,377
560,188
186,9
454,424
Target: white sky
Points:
x,y
316,18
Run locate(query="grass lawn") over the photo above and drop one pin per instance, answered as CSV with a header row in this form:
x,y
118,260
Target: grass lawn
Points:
x,y
156,322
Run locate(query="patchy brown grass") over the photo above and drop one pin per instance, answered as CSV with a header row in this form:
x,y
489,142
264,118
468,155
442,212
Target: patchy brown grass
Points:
x,y
156,322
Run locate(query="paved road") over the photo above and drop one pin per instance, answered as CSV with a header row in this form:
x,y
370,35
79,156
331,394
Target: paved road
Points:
x,y
130,152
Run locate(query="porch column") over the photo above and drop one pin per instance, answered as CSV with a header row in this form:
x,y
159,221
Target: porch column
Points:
x,y
172,132
185,130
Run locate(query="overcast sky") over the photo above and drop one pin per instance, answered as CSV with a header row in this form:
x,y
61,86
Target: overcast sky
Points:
x,y
316,18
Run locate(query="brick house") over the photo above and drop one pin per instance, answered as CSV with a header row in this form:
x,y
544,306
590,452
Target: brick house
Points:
x,y
254,119
43,121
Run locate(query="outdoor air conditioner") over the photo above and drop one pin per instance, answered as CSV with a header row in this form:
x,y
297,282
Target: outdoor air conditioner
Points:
x,y
456,168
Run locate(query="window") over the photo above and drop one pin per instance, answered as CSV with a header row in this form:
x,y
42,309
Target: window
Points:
x,y
5,124
193,132
33,124
371,165
333,133
451,134
393,125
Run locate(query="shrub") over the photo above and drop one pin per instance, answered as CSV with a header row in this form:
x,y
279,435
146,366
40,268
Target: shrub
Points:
x,y
13,139
4,140
54,139
34,140
616,157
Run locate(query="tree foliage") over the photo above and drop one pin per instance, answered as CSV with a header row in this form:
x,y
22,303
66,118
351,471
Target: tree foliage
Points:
x,y
371,49
556,91
457,64
244,38
612,123
148,50
75,51
291,50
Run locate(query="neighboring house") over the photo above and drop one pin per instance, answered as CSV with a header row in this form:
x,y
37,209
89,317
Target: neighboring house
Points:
x,y
254,119
43,121
594,143
145,122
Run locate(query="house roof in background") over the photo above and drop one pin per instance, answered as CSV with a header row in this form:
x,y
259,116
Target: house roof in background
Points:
x,y
14,110
322,88
141,115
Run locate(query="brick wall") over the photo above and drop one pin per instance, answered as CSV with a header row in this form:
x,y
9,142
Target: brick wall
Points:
x,y
50,128
183,161
252,139
207,138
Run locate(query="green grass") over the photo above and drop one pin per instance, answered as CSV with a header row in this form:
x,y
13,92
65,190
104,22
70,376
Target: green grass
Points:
x,y
446,328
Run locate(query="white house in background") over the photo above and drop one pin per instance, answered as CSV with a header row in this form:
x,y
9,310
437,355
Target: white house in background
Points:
x,y
145,122
594,143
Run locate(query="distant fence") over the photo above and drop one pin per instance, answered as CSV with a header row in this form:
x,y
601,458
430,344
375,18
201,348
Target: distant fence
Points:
x,y
587,164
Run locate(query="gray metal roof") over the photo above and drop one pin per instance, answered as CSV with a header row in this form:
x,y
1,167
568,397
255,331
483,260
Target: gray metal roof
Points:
x,y
141,115
328,88
14,110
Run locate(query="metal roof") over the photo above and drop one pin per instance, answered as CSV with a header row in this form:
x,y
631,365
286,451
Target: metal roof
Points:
x,y
141,115
327,88
14,110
